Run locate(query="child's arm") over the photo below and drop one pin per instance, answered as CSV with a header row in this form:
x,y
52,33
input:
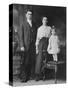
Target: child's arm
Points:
x,y
58,41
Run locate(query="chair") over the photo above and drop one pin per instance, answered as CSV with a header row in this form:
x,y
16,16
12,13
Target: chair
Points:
x,y
52,65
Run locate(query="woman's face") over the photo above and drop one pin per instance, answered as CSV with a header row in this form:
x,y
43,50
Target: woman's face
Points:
x,y
44,20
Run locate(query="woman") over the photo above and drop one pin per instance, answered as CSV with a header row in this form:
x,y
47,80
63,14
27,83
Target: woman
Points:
x,y
41,44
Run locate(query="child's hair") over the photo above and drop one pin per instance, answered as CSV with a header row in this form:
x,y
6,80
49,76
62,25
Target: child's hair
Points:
x,y
53,27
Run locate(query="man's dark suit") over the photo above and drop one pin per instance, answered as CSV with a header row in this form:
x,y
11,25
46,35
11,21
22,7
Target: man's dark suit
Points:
x,y
27,39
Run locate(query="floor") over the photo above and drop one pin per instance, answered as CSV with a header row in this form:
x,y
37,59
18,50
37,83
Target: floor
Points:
x,y
33,82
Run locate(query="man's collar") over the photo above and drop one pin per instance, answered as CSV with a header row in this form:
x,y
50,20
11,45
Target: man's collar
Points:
x,y
29,20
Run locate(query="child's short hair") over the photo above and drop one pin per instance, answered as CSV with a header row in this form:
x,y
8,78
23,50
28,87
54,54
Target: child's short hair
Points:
x,y
53,27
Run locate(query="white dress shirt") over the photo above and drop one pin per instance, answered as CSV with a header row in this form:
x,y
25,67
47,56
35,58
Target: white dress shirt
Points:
x,y
30,22
43,31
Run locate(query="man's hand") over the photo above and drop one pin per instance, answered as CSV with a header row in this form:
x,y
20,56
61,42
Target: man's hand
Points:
x,y
22,49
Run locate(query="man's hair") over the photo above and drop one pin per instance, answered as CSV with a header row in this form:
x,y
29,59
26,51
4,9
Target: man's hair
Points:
x,y
28,10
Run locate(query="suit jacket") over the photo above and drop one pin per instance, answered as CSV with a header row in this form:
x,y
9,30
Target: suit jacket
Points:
x,y
27,35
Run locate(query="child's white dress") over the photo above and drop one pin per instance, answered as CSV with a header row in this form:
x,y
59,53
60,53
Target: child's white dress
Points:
x,y
53,47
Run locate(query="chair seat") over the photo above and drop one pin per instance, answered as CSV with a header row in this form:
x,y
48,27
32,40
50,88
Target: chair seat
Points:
x,y
55,62
52,64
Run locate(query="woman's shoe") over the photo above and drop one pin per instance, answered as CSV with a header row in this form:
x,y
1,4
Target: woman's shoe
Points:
x,y
37,78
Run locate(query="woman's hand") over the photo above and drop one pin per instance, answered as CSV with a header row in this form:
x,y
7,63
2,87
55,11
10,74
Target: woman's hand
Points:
x,y
48,49
36,49
22,49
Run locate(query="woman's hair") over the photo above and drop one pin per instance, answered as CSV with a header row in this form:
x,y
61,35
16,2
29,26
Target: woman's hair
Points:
x,y
44,17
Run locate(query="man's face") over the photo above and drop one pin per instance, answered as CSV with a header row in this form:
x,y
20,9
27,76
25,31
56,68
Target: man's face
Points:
x,y
29,15
44,20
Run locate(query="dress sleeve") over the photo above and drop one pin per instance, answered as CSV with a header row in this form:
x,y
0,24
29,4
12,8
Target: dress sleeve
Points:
x,y
49,45
49,32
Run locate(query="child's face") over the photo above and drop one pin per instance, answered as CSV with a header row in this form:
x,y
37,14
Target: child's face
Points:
x,y
53,31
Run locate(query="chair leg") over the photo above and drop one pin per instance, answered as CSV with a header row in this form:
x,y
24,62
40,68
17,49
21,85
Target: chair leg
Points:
x,y
55,74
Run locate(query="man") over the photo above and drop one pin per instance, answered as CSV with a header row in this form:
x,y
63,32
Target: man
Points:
x,y
27,43
43,35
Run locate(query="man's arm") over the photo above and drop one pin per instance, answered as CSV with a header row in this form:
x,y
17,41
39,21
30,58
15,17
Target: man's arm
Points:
x,y
21,37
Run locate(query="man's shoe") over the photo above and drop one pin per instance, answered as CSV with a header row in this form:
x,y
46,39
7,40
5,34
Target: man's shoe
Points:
x,y
37,78
24,81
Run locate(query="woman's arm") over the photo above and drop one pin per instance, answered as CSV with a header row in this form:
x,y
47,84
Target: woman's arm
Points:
x,y
37,40
49,45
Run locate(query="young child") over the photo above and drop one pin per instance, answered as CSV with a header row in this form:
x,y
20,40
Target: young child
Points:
x,y
53,46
